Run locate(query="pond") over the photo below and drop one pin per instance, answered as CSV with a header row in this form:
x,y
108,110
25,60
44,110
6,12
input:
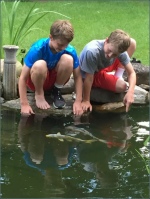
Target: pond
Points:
x,y
36,166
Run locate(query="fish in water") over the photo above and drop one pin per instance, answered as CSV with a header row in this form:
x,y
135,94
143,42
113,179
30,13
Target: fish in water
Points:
x,y
68,138
77,130
61,137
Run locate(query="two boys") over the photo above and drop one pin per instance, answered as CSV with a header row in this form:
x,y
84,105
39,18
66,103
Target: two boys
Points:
x,y
50,62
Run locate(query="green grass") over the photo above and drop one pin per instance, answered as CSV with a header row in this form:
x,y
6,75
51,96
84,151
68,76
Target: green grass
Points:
x,y
91,20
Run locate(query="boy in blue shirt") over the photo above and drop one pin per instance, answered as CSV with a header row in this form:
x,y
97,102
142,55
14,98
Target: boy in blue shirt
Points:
x,y
48,66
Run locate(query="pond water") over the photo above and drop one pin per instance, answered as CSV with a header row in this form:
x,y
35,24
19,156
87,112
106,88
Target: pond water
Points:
x,y
35,166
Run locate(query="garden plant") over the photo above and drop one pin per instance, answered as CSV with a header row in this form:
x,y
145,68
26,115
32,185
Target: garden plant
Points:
x,y
91,19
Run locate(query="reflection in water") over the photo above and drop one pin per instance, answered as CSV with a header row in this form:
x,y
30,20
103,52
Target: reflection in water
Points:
x,y
117,133
8,126
52,168
47,156
52,156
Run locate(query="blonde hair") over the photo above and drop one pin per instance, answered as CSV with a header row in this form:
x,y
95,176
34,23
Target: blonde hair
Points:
x,y
62,29
120,39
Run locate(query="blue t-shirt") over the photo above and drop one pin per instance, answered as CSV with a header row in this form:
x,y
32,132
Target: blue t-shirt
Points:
x,y
40,50
49,160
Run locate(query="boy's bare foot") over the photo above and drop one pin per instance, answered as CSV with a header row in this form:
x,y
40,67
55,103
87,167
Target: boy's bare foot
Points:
x,y
41,102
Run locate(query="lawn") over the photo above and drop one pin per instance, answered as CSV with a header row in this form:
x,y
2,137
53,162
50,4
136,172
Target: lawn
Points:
x,y
91,20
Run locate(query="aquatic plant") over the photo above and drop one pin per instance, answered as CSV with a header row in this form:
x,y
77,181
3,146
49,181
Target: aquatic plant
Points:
x,y
144,154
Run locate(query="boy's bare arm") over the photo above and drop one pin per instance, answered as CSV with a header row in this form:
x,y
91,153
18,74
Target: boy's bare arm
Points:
x,y
88,81
77,108
129,97
78,84
131,76
87,85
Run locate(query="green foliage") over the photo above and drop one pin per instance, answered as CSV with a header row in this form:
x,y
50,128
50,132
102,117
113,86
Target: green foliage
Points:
x,y
17,32
146,159
91,19
147,141
17,35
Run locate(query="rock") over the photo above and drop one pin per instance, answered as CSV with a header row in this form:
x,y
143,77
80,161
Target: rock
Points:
x,y
109,107
118,107
141,96
104,96
145,87
15,104
142,74
1,100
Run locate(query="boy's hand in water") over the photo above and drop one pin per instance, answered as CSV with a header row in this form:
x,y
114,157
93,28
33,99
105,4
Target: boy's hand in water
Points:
x,y
128,100
26,110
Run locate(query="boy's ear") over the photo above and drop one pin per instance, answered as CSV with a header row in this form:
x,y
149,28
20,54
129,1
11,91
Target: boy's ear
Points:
x,y
50,36
106,39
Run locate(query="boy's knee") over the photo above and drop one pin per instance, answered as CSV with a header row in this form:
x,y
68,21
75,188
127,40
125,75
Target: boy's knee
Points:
x,y
66,60
133,43
40,66
121,86
65,64
132,47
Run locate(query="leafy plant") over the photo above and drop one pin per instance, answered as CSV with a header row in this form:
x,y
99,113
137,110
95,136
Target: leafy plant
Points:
x,y
145,157
18,34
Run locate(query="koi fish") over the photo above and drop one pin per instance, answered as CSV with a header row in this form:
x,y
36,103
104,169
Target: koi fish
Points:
x,y
61,138
77,130
83,131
